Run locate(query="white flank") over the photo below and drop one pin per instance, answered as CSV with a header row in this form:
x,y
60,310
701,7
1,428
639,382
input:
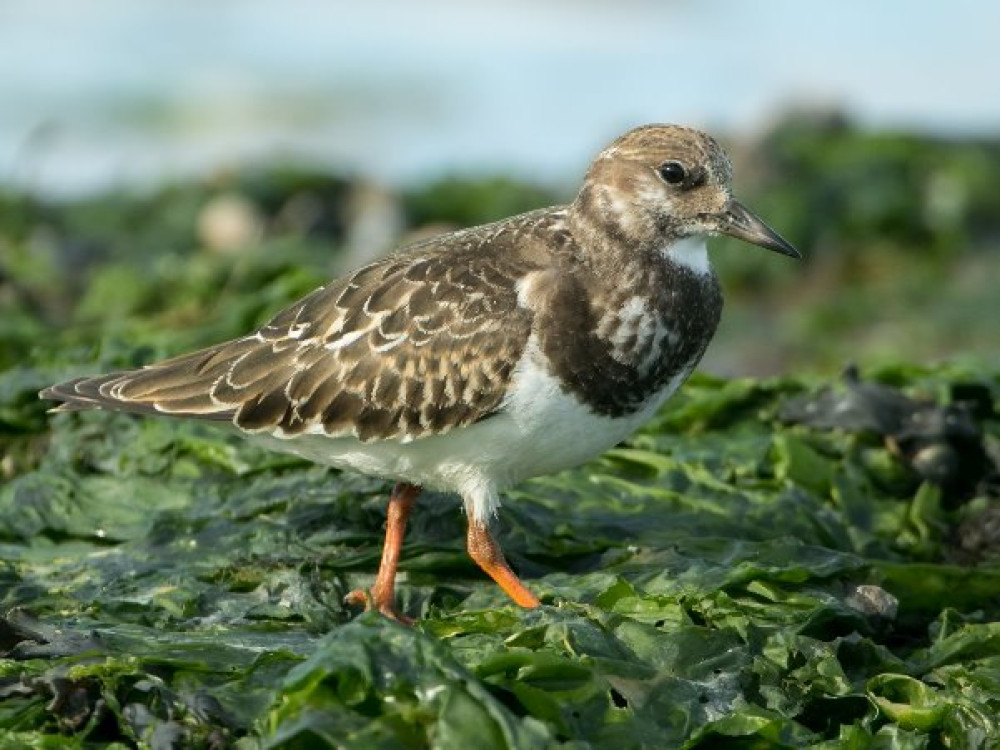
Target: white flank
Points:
x,y
690,252
540,430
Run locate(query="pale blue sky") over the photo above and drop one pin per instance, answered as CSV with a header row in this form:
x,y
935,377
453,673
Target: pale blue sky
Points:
x,y
121,90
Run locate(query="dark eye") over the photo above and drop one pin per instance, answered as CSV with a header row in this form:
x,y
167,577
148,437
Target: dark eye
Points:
x,y
672,172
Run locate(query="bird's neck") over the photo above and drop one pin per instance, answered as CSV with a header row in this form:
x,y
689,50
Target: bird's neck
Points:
x,y
604,217
618,240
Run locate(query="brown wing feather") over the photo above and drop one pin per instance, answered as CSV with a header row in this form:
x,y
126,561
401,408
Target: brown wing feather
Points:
x,y
402,348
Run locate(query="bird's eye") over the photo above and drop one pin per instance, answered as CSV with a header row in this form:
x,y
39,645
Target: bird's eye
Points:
x,y
672,172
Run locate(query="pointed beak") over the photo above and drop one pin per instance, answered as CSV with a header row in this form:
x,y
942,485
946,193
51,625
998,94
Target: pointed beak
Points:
x,y
737,221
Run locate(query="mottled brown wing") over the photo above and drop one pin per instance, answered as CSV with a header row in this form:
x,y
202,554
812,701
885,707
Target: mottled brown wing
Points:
x,y
405,347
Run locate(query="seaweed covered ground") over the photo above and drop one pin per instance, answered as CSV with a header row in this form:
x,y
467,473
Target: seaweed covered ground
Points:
x,y
803,561
723,580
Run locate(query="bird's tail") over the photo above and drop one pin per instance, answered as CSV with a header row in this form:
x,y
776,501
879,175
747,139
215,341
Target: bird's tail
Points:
x,y
176,387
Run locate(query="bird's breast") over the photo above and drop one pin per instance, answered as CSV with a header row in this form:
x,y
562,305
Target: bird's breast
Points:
x,y
618,348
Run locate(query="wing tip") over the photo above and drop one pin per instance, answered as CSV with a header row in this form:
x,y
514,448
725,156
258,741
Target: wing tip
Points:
x,y
71,398
86,394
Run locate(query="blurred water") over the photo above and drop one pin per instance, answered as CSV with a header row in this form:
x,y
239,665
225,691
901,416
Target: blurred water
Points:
x,y
98,92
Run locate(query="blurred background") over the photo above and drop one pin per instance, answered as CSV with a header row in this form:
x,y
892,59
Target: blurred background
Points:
x,y
175,172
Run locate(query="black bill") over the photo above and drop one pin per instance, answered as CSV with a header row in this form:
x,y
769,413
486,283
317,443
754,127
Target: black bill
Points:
x,y
737,221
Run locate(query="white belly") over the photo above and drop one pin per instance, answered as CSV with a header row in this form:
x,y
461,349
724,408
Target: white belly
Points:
x,y
541,430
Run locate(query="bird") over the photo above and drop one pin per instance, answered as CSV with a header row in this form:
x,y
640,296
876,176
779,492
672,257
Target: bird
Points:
x,y
473,360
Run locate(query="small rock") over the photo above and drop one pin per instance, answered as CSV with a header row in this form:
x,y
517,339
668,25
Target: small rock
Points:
x,y
977,538
873,601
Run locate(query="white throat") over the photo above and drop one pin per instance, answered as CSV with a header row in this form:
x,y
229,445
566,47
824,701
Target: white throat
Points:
x,y
690,252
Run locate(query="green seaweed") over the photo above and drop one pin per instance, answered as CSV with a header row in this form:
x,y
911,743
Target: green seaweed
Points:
x,y
163,578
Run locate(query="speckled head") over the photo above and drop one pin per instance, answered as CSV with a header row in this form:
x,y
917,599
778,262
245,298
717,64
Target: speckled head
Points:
x,y
660,183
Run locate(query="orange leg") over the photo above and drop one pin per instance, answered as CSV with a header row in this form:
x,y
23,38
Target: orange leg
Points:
x,y
483,548
382,596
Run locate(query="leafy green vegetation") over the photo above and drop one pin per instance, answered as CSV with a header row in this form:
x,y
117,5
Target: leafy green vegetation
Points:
x,y
781,562
701,586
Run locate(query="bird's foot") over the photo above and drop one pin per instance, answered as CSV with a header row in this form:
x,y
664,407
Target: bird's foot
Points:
x,y
371,600
486,553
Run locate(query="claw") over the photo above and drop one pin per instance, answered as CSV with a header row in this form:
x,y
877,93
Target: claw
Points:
x,y
368,599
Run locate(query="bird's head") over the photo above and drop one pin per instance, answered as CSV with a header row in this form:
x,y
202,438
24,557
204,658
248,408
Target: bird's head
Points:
x,y
661,183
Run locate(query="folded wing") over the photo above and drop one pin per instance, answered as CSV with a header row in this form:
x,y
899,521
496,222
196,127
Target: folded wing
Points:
x,y
402,348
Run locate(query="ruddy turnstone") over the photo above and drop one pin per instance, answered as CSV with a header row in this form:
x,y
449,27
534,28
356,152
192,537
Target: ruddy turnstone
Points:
x,y
474,360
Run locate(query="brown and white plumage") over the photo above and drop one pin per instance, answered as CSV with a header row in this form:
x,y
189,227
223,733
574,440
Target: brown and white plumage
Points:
x,y
409,346
482,357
